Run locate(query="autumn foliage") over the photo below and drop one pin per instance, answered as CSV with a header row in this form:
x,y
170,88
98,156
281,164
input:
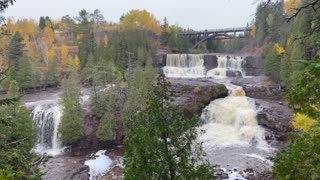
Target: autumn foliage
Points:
x,y
144,20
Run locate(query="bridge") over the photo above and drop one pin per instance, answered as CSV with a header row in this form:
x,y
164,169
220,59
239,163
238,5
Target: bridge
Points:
x,y
197,37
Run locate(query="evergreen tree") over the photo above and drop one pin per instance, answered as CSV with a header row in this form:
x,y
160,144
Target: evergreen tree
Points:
x,y
15,53
161,144
17,135
106,130
72,117
164,34
42,23
24,73
52,73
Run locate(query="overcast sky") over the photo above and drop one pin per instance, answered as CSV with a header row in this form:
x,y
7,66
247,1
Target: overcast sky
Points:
x,y
196,14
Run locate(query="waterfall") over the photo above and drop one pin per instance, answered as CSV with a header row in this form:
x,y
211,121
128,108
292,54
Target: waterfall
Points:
x,y
227,64
185,65
47,119
192,66
232,121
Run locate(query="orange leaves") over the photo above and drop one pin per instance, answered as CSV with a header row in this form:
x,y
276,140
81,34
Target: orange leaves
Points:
x,y
280,50
137,19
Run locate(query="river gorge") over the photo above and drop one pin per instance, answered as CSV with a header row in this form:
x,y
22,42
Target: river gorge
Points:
x,y
243,124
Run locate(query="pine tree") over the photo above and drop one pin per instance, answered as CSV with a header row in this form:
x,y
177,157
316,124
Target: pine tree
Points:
x,y
52,74
106,130
24,73
161,144
14,54
42,23
72,117
17,134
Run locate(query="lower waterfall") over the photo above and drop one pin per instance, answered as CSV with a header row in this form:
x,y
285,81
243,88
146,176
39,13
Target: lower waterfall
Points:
x,y
232,121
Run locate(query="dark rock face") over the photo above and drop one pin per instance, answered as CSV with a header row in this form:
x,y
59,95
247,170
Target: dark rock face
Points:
x,y
161,60
192,95
231,73
253,66
210,61
259,87
274,116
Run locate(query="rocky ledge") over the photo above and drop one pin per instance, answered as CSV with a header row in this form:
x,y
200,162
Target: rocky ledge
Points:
x,y
274,117
260,87
192,95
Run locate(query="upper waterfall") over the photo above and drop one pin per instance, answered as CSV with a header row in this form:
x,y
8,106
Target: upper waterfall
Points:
x,y
194,66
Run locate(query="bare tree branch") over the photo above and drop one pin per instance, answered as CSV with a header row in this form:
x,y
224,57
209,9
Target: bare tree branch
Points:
x,y
298,10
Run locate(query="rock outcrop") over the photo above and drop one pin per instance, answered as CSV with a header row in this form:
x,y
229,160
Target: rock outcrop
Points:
x,y
192,95
274,116
253,65
259,87
210,61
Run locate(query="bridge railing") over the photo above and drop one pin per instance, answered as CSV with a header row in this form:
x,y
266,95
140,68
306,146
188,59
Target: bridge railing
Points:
x,y
222,30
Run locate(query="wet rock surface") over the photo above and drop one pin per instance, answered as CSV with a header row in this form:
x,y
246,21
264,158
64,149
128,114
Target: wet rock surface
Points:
x,y
192,95
210,61
259,87
65,168
253,65
275,117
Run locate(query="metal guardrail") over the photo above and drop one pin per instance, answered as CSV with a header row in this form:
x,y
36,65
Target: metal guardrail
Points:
x,y
224,30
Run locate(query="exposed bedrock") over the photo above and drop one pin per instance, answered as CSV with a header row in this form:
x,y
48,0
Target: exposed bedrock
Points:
x,y
259,87
253,65
192,95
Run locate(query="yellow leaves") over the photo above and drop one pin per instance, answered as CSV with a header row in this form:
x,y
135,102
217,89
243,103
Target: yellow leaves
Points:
x,y
137,19
197,90
77,63
105,40
64,55
48,33
302,122
253,31
280,50
290,6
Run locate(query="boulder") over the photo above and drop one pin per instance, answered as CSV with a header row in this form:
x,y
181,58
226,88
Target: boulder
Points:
x,y
259,87
192,95
210,61
253,65
232,73
275,117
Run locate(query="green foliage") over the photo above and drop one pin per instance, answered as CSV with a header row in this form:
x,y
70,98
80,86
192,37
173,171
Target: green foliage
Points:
x,y
52,73
140,84
70,127
42,23
304,96
176,43
17,137
14,54
301,160
107,129
24,73
272,64
161,144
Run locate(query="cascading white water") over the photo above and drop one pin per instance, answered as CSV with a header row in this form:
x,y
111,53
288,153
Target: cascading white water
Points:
x,y
192,66
185,65
232,121
47,119
225,63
